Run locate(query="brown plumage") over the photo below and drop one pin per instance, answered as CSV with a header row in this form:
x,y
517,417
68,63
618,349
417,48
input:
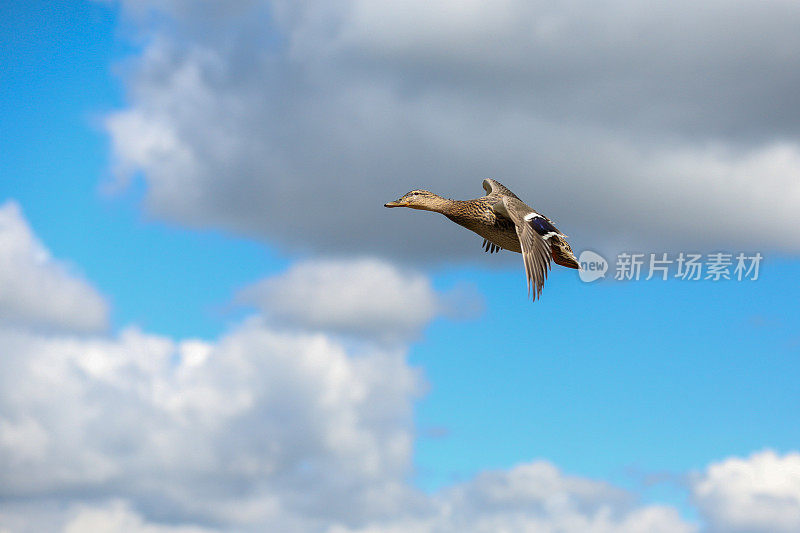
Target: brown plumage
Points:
x,y
504,221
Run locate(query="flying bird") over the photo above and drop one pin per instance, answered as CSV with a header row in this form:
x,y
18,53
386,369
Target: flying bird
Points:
x,y
504,221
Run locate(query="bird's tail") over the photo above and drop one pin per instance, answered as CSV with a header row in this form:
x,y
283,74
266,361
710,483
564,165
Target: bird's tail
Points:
x,y
562,253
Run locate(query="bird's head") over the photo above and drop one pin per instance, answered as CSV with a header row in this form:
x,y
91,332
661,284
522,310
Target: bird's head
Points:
x,y
417,199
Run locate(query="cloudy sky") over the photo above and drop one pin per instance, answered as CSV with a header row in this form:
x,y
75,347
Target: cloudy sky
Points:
x,y
209,322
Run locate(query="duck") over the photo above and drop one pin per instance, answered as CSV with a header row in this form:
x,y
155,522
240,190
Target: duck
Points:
x,y
505,222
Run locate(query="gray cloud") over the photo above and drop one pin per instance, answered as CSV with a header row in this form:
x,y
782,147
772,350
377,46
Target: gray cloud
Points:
x,y
117,516
672,125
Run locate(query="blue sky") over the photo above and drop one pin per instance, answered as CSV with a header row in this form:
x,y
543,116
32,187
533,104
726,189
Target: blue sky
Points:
x,y
611,381
59,82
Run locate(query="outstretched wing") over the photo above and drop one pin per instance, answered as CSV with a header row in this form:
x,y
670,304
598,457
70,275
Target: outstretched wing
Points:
x,y
492,186
535,250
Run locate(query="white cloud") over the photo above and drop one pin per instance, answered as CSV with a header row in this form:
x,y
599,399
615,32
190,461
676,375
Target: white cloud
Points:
x,y
364,297
265,428
35,289
674,125
275,428
529,497
287,430
760,493
538,497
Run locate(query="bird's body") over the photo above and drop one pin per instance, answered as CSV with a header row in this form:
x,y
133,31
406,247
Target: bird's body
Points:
x,y
504,221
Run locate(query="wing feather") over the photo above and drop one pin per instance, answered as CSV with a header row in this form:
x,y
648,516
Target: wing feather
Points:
x,y
490,247
535,250
494,187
